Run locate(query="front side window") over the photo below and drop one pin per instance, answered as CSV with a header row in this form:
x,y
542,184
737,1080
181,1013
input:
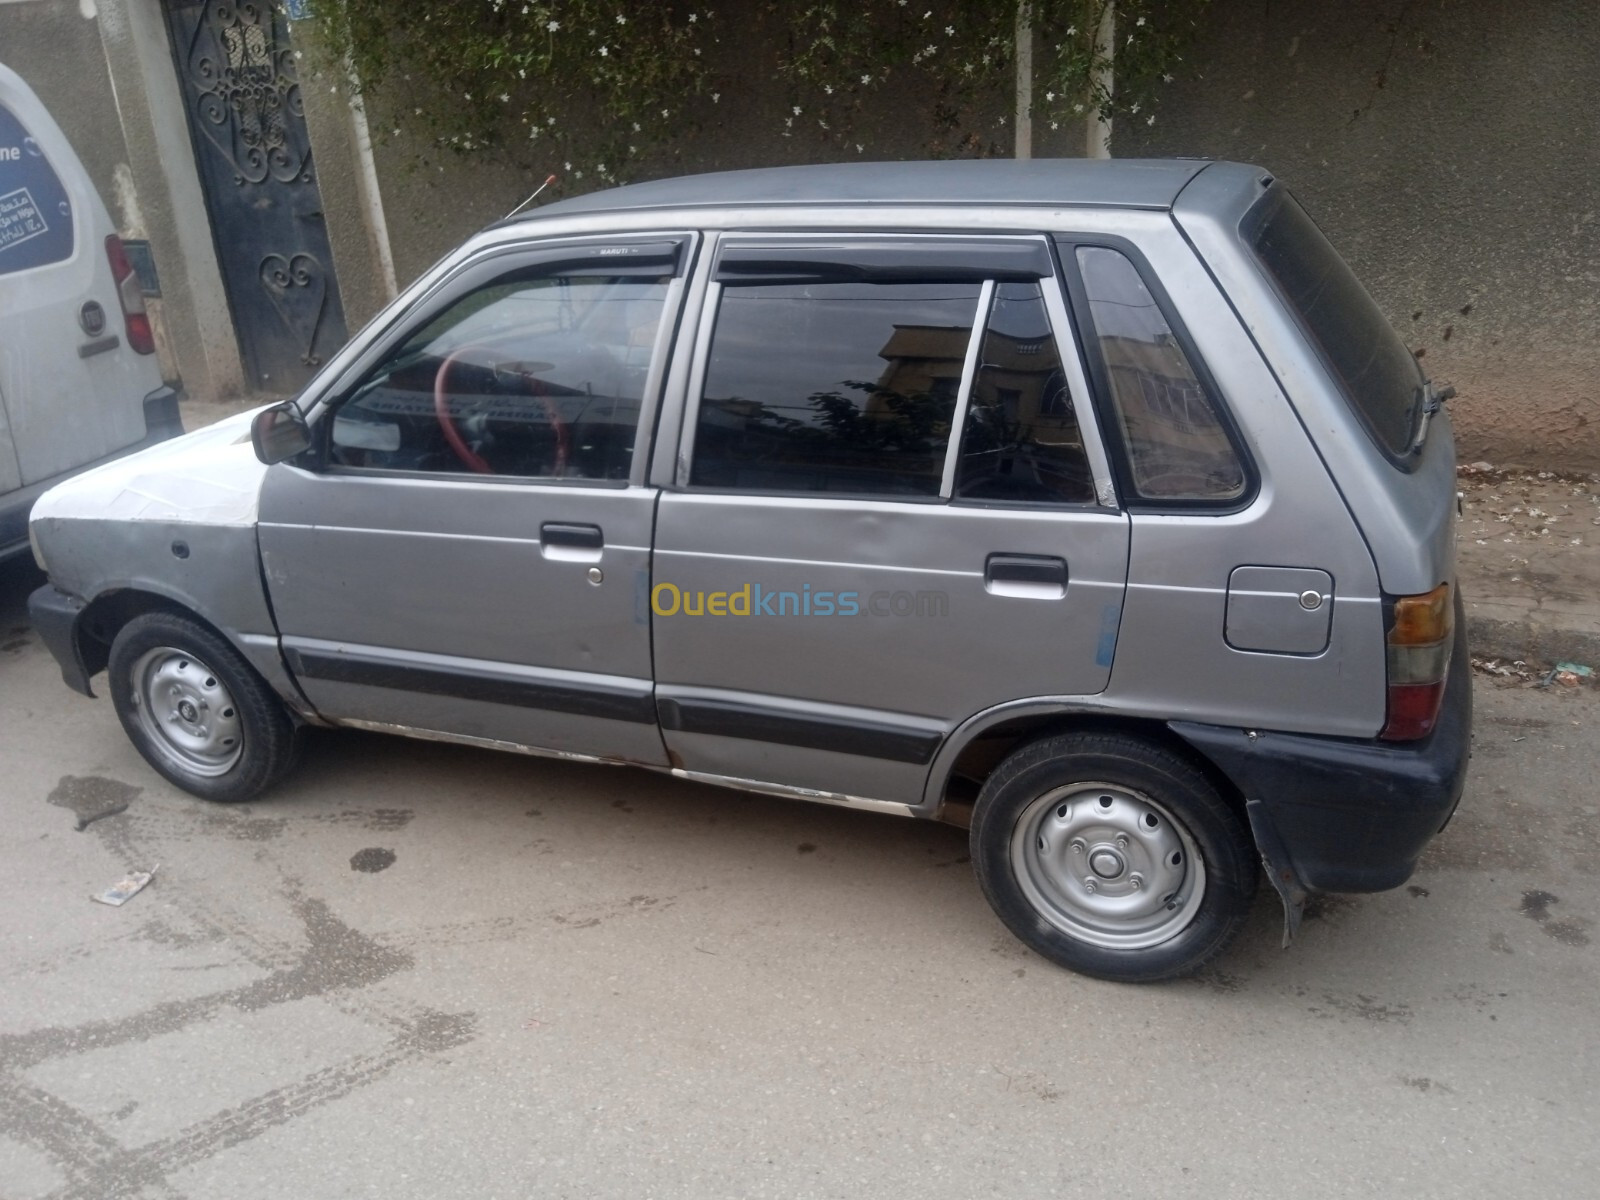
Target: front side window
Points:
x,y
1021,440
535,376
1177,446
841,388
35,213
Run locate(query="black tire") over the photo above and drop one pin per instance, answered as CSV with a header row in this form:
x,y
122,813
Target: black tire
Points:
x,y
1084,844
241,739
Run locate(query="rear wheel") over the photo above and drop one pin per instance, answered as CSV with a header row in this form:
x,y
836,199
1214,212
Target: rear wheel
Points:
x,y
1113,856
196,710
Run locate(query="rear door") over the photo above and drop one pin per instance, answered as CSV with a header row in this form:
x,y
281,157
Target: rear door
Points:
x,y
73,390
891,511
467,553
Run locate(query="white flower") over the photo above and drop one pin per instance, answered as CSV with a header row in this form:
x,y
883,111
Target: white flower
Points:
x,y
1134,109
1140,21
522,73
549,120
716,97
1072,31
601,168
566,166
1150,120
505,98
636,127
665,113
797,110
866,79
622,20
1050,96
1167,78
949,31
929,49
605,51
552,26
1055,125
693,17
828,88
468,95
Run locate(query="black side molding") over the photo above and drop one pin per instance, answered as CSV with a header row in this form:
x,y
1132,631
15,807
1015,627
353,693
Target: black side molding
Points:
x,y
869,739
607,701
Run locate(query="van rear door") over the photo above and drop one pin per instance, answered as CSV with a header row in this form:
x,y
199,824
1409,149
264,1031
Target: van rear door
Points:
x,y
73,389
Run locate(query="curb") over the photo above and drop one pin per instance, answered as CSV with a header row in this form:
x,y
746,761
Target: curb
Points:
x,y
1538,646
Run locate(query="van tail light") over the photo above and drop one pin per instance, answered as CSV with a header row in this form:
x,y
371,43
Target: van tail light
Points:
x,y
1420,641
135,321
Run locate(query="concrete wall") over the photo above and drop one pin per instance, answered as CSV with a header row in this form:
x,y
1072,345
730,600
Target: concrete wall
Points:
x,y
1449,148
1451,151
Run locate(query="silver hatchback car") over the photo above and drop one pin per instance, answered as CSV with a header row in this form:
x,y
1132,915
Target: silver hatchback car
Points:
x,y
1094,506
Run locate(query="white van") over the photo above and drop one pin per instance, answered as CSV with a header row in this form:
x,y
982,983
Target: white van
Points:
x,y
79,380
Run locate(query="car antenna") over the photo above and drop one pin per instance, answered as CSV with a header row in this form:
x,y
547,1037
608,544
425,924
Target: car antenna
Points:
x,y
548,181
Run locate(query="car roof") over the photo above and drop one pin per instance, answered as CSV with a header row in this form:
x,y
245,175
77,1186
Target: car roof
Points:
x,y
1124,183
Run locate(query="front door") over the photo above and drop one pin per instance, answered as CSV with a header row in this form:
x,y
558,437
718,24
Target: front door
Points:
x,y
894,512
236,71
467,551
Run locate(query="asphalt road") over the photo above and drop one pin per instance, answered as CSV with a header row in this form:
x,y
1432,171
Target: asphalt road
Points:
x,y
425,971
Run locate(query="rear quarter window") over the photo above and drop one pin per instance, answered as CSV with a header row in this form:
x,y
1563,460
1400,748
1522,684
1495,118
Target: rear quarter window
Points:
x,y
35,214
1378,376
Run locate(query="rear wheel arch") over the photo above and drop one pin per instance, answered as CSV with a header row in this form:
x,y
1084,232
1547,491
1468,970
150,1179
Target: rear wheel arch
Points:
x,y
975,757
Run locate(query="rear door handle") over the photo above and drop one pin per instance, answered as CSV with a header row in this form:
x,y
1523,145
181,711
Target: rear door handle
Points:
x,y
1025,576
571,543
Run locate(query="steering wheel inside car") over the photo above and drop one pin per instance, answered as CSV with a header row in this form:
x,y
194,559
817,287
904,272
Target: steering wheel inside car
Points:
x,y
464,450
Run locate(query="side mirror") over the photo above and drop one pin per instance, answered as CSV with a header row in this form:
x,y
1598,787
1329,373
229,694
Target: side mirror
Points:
x,y
279,432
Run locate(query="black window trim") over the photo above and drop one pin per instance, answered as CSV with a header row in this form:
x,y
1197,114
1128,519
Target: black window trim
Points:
x,y
1111,434
481,271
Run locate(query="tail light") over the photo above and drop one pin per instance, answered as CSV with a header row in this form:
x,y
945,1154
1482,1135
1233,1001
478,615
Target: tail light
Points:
x,y
135,321
1420,641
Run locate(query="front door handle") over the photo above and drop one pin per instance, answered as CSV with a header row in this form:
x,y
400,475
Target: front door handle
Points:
x,y
571,543
1025,576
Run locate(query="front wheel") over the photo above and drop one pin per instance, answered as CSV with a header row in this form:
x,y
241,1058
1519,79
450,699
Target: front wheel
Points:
x,y
1113,856
196,710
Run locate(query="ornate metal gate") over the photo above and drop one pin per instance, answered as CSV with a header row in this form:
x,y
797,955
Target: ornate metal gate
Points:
x,y
237,74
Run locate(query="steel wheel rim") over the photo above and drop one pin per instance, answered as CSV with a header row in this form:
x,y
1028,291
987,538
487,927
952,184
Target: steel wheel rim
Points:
x,y
1108,865
186,713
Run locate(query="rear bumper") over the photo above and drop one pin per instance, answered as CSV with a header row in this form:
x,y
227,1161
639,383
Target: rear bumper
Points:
x,y
161,421
1350,815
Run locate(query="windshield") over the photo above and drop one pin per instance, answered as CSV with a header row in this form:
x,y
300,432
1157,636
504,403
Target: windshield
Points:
x,y
1379,377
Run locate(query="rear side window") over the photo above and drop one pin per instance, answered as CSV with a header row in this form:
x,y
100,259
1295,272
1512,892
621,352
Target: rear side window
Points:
x,y
1021,440
1378,376
35,214
843,388
1177,445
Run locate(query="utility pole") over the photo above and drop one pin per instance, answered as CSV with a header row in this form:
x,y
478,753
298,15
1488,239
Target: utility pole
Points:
x,y
1024,79
1105,48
